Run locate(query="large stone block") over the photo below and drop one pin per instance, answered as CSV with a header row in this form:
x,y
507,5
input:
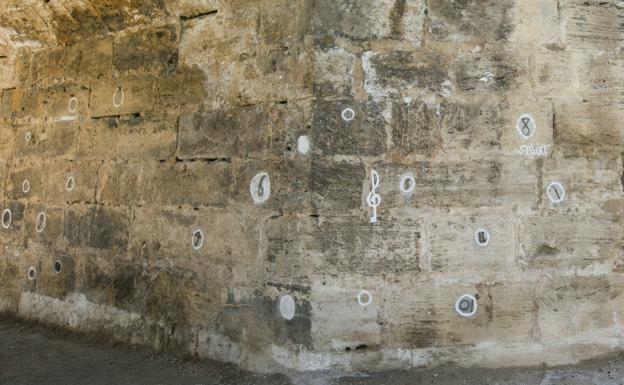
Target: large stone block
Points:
x,y
190,184
147,50
564,243
452,245
369,19
361,134
123,96
422,314
90,60
354,246
224,134
97,227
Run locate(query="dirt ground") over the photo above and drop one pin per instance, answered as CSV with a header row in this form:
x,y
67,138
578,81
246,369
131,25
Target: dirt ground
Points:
x,y
30,354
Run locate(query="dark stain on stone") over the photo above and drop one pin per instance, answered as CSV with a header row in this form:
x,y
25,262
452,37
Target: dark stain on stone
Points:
x,y
99,228
622,175
396,18
546,250
494,172
336,182
260,318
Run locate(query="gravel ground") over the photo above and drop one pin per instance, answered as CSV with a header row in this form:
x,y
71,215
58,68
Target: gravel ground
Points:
x,y
30,354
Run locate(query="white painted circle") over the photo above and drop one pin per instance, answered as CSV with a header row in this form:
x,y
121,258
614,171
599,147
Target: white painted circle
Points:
x,y
58,266
7,217
73,104
25,186
287,307
364,298
555,192
407,184
118,97
32,273
197,241
482,237
260,188
69,183
40,223
28,136
526,126
303,144
466,305
348,114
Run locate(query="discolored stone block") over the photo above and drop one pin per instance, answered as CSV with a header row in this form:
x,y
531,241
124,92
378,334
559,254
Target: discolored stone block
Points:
x,y
122,96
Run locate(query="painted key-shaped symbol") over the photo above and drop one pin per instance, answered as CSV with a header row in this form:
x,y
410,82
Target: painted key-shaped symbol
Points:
x,y
555,192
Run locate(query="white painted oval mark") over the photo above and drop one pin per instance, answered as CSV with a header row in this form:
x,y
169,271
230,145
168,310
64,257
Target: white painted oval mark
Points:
x,y
25,186
69,183
198,239
6,218
348,114
32,273
260,188
28,136
58,266
407,184
40,223
526,126
364,298
287,307
118,97
482,237
303,144
466,305
73,105
555,192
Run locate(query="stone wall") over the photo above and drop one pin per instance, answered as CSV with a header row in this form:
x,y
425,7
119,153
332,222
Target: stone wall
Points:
x,y
127,126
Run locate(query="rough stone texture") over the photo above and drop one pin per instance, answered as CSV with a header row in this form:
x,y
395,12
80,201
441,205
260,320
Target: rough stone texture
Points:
x,y
162,112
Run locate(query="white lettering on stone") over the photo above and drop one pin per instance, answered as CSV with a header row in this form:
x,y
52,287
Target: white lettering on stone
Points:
x,y
534,149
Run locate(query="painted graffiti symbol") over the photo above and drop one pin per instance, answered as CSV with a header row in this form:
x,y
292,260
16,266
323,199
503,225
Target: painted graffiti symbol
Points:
x,y
374,199
466,305
260,188
482,237
555,192
534,149
287,307
526,126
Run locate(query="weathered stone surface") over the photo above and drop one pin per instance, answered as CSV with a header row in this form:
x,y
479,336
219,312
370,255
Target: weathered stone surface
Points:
x,y
167,114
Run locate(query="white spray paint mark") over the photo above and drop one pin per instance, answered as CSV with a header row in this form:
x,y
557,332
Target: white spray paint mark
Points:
x,y
374,199
28,136
73,105
25,186
364,298
303,144
40,223
347,114
482,237
287,307
198,239
534,149
65,118
555,192
407,184
32,273
446,88
118,97
70,183
260,188
466,305
6,218
487,77
526,126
